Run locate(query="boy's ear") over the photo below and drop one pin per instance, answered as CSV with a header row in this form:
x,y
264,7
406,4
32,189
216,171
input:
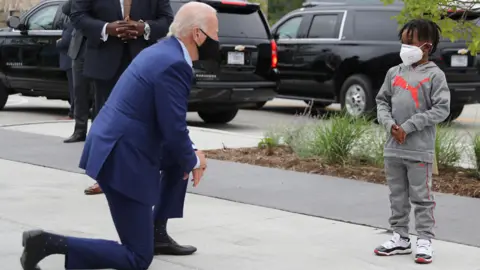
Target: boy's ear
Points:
x,y
427,48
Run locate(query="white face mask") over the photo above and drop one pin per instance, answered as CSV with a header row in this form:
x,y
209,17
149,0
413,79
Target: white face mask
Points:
x,y
410,54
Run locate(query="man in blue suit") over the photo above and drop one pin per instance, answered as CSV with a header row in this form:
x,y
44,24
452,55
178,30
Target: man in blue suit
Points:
x,y
65,61
140,131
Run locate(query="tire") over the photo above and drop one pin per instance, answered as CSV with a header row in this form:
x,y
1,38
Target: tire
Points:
x,y
357,97
218,117
318,104
455,111
3,96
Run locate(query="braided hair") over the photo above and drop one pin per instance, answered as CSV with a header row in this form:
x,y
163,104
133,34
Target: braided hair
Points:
x,y
427,31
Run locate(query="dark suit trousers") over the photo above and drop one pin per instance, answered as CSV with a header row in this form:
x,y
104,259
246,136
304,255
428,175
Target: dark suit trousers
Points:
x,y
134,224
81,85
71,92
103,88
172,194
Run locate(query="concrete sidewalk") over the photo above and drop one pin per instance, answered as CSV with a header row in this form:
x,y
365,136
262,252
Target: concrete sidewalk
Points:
x,y
204,138
229,235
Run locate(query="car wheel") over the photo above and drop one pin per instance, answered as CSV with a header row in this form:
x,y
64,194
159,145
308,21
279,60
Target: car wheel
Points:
x,y
455,112
357,97
218,117
3,96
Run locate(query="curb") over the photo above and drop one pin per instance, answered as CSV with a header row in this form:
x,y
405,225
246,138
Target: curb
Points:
x,y
207,130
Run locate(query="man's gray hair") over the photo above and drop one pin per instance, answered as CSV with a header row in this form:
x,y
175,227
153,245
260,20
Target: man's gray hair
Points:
x,y
189,16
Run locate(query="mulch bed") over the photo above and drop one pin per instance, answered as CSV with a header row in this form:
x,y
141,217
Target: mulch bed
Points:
x,y
457,181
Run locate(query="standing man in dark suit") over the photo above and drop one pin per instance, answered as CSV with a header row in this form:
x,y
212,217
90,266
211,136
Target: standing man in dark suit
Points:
x,y
141,130
65,61
81,84
116,30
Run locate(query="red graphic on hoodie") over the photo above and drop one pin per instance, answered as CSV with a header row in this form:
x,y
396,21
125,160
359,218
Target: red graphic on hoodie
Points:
x,y
400,81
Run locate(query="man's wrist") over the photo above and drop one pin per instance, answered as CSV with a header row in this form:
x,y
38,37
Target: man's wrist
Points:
x,y
146,30
198,163
104,35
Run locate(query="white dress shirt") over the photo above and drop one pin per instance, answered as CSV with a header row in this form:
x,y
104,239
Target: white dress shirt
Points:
x,y
104,35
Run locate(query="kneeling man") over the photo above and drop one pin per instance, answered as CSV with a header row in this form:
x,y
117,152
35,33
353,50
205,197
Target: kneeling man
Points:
x,y
141,130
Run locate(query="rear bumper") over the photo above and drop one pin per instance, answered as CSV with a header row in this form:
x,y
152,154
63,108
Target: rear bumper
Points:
x,y
205,95
465,92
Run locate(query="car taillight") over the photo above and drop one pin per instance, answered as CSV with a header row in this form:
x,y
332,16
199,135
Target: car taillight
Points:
x,y
273,45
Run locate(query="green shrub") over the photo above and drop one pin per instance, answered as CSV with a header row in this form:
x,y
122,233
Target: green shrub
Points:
x,y
370,147
335,141
447,150
476,151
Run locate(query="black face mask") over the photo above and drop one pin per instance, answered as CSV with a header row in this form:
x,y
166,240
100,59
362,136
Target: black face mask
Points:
x,y
209,50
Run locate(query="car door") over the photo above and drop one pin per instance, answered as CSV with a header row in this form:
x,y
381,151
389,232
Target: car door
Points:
x,y
318,54
287,34
34,60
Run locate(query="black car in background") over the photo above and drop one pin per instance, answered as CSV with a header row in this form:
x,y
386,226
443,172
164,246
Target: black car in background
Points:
x,y
245,75
340,53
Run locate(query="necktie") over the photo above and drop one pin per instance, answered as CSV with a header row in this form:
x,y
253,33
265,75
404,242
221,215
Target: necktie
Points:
x,y
127,5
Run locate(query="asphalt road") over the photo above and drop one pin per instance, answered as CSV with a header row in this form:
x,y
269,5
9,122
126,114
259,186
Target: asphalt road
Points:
x,y
20,110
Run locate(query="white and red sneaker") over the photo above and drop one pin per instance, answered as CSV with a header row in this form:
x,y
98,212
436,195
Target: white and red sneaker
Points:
x,y
424,253
395,246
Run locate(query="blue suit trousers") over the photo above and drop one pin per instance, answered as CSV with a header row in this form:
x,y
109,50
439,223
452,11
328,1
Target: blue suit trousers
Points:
x,y
134,224
172,194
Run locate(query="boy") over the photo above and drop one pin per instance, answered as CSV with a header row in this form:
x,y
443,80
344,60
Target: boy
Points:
x,y
413,99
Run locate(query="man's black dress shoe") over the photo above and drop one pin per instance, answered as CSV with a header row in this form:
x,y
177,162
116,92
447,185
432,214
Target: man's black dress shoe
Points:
x,y
38,245
168,246
76,137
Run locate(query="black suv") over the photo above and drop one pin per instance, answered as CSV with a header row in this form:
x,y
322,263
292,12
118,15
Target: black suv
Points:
x,y
246,75
340,53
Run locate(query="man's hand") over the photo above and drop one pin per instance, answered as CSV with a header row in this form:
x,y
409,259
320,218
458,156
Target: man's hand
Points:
x,y
120,29
399,134
201,157
198,173
138,28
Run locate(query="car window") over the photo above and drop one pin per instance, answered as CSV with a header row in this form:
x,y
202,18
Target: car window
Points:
x,y
43,18
367,22
60,20
289,29
241,25
231,24
325,26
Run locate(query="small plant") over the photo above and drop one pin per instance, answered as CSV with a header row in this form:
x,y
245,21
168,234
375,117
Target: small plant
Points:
x,y
447,150
476,152
335,141
370,147
268,144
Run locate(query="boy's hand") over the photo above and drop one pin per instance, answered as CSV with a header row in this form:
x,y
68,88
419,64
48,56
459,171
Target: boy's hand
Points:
x,y
398,134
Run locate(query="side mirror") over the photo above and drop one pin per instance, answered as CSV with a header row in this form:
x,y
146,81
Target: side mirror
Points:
x,y
14,22
276,36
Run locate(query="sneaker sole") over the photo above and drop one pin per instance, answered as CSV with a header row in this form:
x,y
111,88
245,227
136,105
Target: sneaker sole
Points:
x,y
423,260
395,252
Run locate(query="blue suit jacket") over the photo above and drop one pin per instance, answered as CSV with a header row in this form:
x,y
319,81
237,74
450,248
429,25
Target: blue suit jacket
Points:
x,y
62,47
142,127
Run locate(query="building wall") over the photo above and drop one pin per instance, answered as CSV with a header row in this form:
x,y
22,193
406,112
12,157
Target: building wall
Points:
x,y
14,7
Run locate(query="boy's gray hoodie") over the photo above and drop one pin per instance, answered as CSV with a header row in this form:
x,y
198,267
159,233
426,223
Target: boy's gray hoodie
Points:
x,y
416,99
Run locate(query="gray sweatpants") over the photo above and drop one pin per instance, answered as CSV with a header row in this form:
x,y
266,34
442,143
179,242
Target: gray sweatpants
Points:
x,y
410,182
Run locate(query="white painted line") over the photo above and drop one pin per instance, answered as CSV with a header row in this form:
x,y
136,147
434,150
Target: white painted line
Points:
x,y
16,100
211,130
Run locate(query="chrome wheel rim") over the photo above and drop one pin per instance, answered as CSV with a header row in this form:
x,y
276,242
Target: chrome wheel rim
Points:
x,y
355,100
